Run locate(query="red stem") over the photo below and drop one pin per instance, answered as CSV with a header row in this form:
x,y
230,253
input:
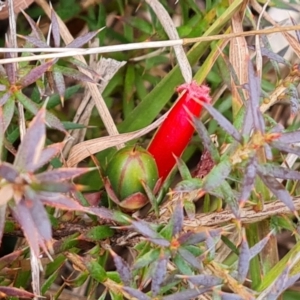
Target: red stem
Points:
x,y
174,134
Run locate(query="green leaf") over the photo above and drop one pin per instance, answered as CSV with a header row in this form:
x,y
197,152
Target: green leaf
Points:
x,y
147,258
99,233
97,271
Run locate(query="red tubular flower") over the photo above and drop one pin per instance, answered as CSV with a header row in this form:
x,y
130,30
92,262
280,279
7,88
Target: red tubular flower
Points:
x,y
174,134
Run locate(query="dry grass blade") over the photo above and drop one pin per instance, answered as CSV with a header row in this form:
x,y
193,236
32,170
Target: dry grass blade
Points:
x,y
171,30
108,68
83,150
238,57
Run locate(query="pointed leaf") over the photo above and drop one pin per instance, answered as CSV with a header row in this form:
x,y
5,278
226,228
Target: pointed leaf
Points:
x,y
145,229
249,177
217,175
254,94
8,112
10,69
135,293
244,259
47,154
197,238
279,172
36,41
190,258
289,148
22,214
8,172
160,242
15,292
55,28
59,82
280,283
81,40
230,199
228,296
122,268
204,279
177,218
257,248
188,185
2,223
290,137
39,214
84,66
279,191
205,139
31,147
159,273
51,119
271,55
248,122
36,31
5,97
2,131
186,294
74,74
222,121
35,73
61,174
60,201
146,259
